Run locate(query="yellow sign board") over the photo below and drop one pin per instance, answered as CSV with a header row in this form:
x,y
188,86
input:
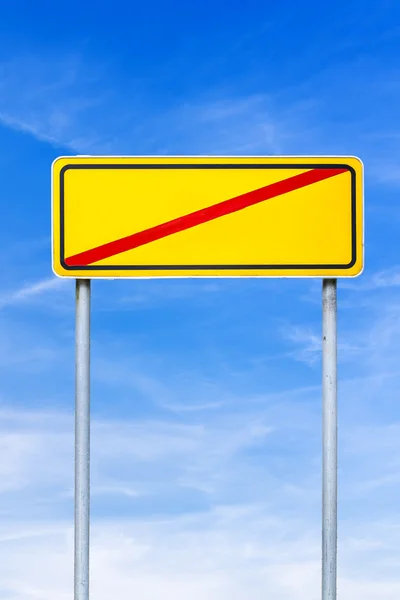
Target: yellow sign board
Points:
x,y
211,216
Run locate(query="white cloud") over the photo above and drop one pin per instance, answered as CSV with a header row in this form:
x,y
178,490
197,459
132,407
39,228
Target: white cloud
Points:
x,y
222,500
257,533
219,554
32,290
159,456
308,345
382,280
84,109
36,447
48,98
265,541
182,408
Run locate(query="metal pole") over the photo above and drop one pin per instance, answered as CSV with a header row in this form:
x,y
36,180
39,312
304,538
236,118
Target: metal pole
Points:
x,y
82,440
329,437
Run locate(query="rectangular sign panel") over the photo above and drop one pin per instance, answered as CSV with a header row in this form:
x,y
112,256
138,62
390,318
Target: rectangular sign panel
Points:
x,y
210,216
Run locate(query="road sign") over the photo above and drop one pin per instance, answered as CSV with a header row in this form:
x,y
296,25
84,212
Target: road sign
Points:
x,y
210,216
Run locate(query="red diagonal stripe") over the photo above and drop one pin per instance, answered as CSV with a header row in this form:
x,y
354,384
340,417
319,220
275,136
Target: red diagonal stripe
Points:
x,y
201,216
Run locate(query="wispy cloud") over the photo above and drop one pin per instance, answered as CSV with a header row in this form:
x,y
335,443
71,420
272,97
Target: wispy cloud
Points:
x,y
189,407
220,551
31,291
224,553
377,281
51,98
246,478
64,102
308,345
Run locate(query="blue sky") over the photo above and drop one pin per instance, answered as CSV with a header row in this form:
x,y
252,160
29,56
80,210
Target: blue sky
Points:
x,y
205,394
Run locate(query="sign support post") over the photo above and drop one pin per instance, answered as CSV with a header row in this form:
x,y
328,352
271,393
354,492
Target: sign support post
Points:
x,y
329,438
82,440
